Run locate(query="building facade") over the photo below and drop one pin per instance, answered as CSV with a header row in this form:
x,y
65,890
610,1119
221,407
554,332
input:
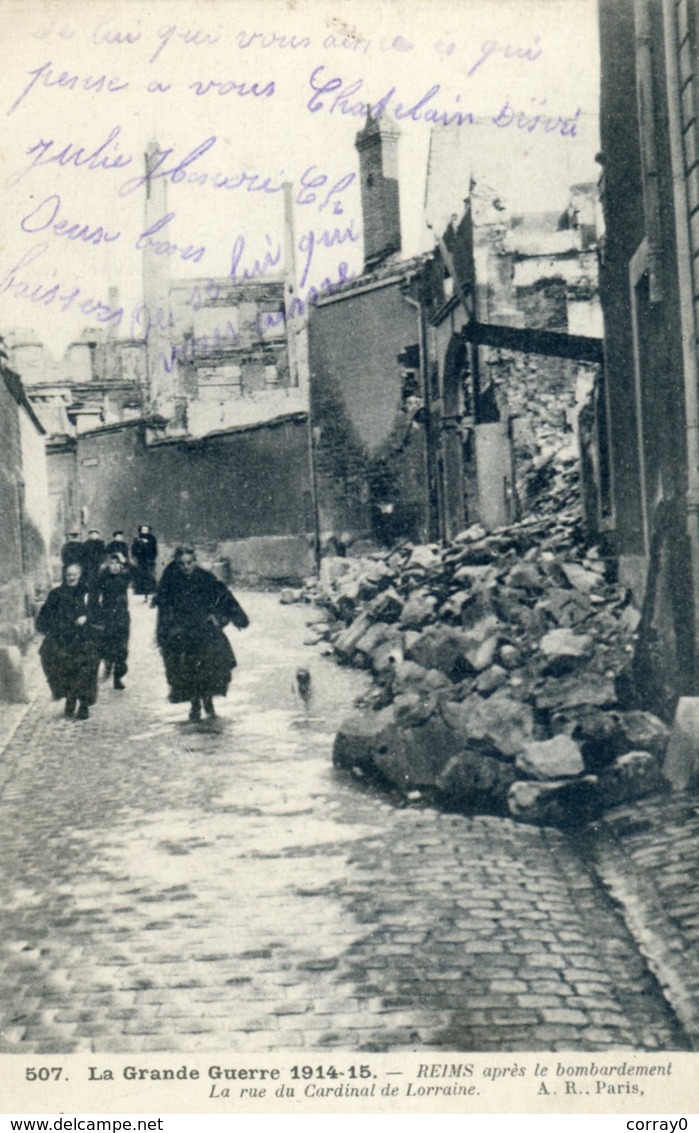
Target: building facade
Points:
x,y
649,498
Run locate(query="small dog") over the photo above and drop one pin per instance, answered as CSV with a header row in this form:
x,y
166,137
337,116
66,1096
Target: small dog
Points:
x,y
303,684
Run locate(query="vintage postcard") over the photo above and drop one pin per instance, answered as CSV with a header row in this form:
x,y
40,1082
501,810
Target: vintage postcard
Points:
x,y
349,574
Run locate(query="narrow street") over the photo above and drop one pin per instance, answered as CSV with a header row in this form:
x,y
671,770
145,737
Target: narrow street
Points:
x,y
180,887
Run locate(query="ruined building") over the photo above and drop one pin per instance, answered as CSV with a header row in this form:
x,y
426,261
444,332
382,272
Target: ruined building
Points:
x,y
444,387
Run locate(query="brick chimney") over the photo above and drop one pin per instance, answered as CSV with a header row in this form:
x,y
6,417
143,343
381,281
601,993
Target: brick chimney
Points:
x,y
156,293
377,145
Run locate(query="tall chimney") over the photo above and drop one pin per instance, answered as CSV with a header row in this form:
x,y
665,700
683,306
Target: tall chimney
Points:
x,y
377,145
157,318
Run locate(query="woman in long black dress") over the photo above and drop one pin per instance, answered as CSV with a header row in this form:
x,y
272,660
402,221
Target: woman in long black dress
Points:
x,y
69,653
193,607
112,609
144,551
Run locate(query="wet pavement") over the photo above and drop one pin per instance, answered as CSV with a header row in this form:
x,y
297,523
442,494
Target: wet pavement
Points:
x,y
180,887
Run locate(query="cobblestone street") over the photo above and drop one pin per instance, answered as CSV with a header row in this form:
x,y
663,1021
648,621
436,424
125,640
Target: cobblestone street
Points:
x,y
180,887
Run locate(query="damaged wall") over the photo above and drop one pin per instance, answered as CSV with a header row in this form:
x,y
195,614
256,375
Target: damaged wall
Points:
x,y
369,455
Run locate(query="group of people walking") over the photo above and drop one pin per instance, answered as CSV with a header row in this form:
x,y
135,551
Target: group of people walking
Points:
x,y
86,621
93,554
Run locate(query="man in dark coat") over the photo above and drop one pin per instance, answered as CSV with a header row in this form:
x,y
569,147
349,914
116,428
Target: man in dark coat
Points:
x,y
145,552
72,549
112,612
69,654
193,607
93,557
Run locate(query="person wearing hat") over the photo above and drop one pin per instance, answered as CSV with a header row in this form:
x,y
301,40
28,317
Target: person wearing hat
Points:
x,y
69,652
112,613
193,608
144,550
93,557
117,545
72,550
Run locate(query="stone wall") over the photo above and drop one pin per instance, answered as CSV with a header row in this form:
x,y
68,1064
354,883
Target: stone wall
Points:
x,y
217,493
369,455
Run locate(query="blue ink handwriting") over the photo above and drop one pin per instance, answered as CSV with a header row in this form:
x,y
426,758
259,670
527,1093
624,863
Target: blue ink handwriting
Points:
x,y
240,88
146,242
325,238
48,294
258,267
68,82
491,47
271,39
419,111
45,153
547,123
192,345
193,37
181,173
299,306
311,181
104,33
45,215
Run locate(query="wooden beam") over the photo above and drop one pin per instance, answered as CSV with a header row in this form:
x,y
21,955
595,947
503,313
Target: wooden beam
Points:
x,y
551,344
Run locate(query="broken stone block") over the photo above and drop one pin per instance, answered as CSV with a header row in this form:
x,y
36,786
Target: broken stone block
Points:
x,y
439,647
525,576
471,535
332,568
288,596
581,579
510,656
599,737
418,610
631,776
498,726
681,763
642,731
386,606
416,756
557,758
388,654
425,556
414,707
482,657
12,687
491,680
630,620
564,650
373,637
569,802
475,781
574,692
362,737
411,677
346,641
480,605
475,575
452,607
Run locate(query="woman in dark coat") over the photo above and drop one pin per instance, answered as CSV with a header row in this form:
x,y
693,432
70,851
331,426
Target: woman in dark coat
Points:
x,y
193,607
69,653
144,551
112,612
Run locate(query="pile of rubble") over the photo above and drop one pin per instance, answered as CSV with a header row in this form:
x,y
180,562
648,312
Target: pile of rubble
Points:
x,y
500,666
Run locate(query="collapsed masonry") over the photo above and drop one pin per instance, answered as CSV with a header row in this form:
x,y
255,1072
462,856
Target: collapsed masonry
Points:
x,y
502,669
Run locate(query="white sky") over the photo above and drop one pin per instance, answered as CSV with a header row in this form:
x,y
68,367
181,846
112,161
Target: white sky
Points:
x,y
275,136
